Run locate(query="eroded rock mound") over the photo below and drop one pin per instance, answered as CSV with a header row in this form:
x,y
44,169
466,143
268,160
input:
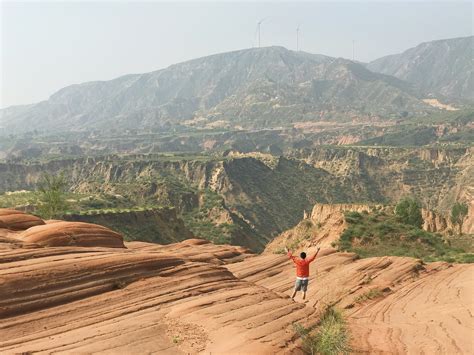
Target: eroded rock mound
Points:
x,y
17,220
73,234
198,250
323,227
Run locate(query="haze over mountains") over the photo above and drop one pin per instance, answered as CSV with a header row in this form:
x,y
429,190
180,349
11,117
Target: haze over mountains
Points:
x,y
255,88
444,67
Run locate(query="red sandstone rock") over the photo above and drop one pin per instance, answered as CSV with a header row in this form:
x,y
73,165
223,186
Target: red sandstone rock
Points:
x,y
174,299
73,234
17,220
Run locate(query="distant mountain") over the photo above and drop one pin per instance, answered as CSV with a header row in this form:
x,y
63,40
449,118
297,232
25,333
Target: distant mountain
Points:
x,y
443,66
260,87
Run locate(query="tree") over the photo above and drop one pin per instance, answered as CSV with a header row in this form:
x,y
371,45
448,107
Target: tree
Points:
x,y
458,213
408,210
52,190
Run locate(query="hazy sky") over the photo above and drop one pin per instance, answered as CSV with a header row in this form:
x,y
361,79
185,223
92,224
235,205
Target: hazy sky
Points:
x,y
46,46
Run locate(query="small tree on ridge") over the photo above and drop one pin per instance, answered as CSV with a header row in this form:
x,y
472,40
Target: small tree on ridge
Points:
x,y
52,190
408,211
458,213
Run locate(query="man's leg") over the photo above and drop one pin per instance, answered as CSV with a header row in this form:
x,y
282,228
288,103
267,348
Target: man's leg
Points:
x,y
297,288
304,288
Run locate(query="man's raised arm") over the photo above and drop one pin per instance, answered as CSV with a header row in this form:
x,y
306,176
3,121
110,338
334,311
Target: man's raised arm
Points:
x,y
289,254
314,256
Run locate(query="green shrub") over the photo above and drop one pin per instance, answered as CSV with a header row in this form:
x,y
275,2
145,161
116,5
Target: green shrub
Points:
x,y
280,251
458,214
384,228
408,211
352,217
466,258
294,244
331,337
52,195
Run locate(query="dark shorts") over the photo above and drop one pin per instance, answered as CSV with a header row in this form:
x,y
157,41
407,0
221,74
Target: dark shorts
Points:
x,y
301,285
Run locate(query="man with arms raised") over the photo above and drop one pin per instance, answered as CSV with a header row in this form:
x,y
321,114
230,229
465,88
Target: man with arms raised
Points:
x,y
302,271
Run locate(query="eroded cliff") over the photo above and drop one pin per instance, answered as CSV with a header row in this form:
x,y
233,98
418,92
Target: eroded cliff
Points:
x,y
260,195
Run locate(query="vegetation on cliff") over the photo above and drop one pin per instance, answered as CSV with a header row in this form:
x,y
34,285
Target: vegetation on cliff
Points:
x,y
151,223
382,232
75,203
148,224
408,211
458,214
254,197
444,128
199,219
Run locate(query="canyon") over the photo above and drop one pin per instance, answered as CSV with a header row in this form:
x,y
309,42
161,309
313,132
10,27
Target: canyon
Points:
x,y
252,197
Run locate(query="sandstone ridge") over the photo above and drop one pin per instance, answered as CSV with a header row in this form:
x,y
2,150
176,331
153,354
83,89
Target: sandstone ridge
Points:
x,y
17,221
29,229
197,297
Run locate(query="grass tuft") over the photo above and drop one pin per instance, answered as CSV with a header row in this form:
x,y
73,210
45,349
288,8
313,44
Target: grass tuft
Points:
x,y
369,295
331,337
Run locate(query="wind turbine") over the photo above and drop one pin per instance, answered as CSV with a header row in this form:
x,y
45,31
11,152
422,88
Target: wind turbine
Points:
x,y
259,23
298,38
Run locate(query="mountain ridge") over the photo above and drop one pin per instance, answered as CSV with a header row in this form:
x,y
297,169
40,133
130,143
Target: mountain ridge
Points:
x,y
441,66
258,87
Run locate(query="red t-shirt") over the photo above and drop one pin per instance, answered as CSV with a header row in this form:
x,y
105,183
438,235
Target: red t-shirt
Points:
x,y
302,265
